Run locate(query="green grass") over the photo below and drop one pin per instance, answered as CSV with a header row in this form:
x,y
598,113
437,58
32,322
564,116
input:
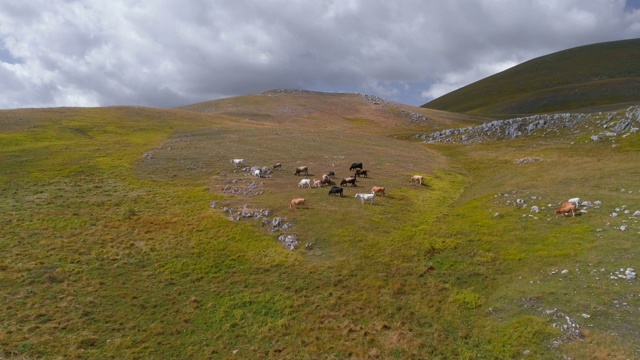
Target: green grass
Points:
x,y
107,253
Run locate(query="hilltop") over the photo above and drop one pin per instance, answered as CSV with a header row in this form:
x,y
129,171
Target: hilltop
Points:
x,y
311,108
597,76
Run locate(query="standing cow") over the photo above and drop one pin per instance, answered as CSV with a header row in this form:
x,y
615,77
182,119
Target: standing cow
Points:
x,y
378,190
298,202
361,172
302,169
237,162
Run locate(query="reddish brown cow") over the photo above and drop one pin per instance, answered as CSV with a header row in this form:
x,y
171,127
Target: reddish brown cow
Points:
x,y
378,190
567,207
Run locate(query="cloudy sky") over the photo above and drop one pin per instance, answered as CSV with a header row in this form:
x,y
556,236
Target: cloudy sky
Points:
x,y
167,53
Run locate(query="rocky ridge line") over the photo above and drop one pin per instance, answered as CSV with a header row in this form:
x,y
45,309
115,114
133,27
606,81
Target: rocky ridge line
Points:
x,y
601,125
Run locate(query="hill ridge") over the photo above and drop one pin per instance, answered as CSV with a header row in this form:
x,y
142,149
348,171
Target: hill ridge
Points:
x,y
577,78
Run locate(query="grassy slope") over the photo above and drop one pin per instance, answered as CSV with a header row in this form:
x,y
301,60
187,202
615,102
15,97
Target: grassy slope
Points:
x,y
583,77
107,253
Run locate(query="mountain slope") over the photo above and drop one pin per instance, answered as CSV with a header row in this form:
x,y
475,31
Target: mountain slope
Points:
x,y
583,77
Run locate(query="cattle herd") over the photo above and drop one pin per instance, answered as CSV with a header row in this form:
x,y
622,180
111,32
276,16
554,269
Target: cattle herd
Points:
x,y
567,207
326,180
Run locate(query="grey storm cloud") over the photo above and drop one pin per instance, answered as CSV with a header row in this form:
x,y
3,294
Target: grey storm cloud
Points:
x,y
168,53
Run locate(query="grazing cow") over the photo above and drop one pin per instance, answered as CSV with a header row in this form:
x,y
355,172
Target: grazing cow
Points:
x,y
256,172
567,207
317,183
237,162
336,190
417,179
350,180
377,190
305,182
361,172
298,202
325,180
302,169
355,166
277,166
331,174
365,197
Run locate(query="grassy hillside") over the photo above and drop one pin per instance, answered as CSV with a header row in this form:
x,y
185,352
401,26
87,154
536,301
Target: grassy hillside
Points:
x,y
584,77
118,243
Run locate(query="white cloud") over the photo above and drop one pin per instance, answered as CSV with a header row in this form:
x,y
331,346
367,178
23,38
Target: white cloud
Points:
x,y
168,52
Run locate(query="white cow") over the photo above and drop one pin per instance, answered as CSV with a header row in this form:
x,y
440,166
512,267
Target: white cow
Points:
x,y
305,182
237,162
366,197
575,201
257,173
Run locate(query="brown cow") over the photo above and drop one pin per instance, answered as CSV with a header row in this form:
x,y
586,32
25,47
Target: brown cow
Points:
x,y
378,190
298,202
361,172
277,166
325,180
350,180
567,207
302,169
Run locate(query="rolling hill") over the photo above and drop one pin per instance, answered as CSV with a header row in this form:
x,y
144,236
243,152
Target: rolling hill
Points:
x,y
582,78
127,233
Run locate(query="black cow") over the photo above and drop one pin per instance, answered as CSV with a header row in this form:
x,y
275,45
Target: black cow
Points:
x,y
350,180
331,174
336,190
355,166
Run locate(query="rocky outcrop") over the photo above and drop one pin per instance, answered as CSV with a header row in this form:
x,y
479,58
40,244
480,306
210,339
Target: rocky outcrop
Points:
x,y
599,125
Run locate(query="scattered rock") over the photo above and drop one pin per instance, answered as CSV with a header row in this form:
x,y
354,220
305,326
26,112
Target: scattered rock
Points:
x,y
290,241
526,160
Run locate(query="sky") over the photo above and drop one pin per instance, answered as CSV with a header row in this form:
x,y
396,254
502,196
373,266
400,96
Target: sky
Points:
x,y
168,53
